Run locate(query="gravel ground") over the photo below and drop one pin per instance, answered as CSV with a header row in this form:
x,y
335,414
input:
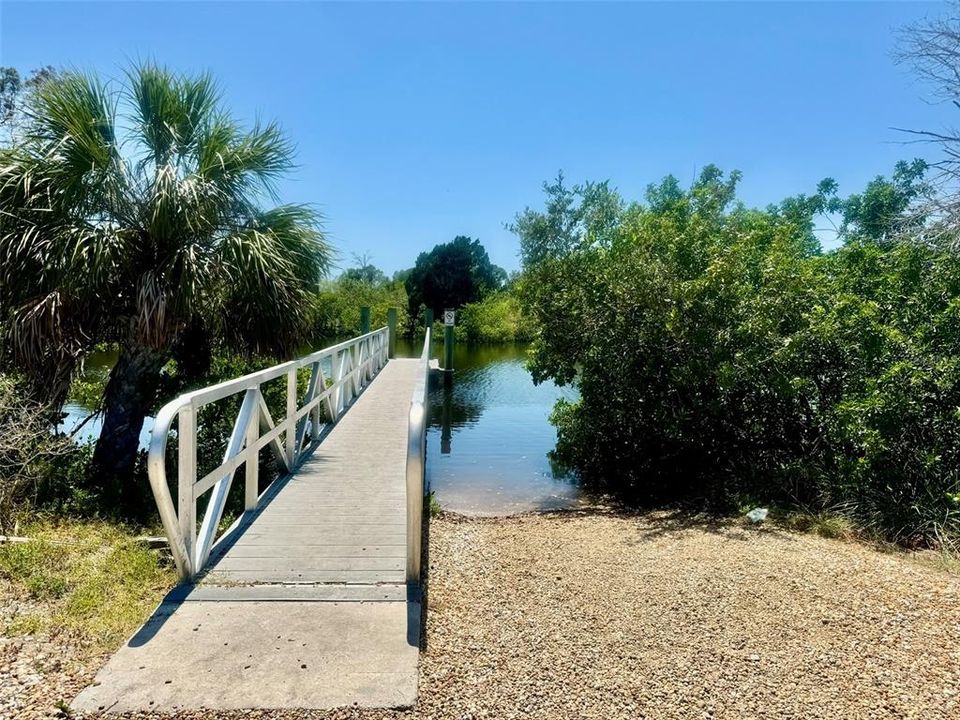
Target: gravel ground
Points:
x,y
594,615
38,673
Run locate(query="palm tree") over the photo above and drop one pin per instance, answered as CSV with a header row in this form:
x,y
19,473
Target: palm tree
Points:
x,y
130,211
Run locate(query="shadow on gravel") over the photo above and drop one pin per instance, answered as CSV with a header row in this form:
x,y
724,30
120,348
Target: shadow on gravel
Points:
x,y
651,524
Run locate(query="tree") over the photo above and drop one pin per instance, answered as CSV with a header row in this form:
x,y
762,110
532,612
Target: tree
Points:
x,y
572,217
721,355
881,212
10,86
364,271
452,275
128,213
13,89
931,48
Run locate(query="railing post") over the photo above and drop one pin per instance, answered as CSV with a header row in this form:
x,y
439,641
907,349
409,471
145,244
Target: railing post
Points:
x,y
186,477
414,492
336,363
415,470
448,341
319,386
291,420
356,374
428,318
391,333
251,488
364,320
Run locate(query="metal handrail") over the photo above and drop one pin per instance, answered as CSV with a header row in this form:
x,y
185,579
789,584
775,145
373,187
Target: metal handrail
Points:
x,y
416,459
354,363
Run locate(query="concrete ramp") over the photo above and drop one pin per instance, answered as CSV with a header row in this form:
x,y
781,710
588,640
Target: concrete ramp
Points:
x,y
232,655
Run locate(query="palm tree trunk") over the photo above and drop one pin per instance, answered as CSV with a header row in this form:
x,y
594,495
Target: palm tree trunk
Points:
x,y
128,398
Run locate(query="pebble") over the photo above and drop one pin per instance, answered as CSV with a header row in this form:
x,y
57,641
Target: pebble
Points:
x,y
600,615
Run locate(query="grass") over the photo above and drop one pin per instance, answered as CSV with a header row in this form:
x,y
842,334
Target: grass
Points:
x,y
835,527
433,505
93,580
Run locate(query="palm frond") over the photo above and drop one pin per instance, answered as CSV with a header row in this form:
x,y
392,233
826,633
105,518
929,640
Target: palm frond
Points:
x,y
76,112
127,231
241,161
169,111
270,267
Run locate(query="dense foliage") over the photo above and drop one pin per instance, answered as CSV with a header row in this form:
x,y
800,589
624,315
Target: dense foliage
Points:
x,y
451,275
336,308
721,355
496,318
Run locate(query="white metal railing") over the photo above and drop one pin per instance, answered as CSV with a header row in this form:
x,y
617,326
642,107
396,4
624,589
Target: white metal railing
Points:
x,y
352,365
416,459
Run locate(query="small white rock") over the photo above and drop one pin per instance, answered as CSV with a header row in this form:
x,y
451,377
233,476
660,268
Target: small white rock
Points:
x,y
757,515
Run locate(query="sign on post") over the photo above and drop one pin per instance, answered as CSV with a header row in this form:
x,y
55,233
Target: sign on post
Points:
x,y
448,318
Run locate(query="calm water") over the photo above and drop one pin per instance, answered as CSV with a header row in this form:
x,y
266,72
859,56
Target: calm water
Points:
x,y
489,437
96,367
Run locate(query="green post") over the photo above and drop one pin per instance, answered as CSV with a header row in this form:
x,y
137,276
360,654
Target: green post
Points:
x,y
364,320
427,318
448,348
392,332
448,318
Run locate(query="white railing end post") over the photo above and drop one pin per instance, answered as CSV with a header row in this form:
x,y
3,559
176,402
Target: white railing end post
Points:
x,y
291,419
186,477
251,487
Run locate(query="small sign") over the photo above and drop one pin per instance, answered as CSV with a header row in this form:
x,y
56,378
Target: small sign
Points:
x,y
448,317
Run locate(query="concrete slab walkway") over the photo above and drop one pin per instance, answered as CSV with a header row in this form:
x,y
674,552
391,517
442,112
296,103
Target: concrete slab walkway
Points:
x,y
305,606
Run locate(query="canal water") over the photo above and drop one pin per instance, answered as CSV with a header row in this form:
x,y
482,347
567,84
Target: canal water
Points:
x,y
488,439
77,418
489,436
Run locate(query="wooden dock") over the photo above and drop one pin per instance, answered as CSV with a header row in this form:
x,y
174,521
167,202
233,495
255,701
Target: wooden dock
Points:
x,y
306,603
341,518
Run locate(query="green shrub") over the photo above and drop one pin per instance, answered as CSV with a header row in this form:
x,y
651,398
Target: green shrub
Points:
x,y
31,455
496,318
336,307
720,355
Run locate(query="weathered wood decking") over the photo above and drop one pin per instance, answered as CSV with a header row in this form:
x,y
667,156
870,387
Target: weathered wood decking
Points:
x,y
341,518
305,604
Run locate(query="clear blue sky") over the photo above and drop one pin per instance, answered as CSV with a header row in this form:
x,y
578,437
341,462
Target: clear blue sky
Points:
x,y
419,122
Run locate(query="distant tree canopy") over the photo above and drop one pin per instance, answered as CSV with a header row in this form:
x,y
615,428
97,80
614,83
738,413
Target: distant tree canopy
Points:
x,y
14,91
336,307
369,274
364,271
882,211
452,275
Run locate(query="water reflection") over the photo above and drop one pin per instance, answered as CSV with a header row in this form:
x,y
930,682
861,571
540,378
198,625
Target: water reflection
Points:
x,y
489,437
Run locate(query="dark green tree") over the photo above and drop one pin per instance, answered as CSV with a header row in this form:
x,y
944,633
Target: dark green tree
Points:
x,y
452,275
572,216
880,212
721,355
